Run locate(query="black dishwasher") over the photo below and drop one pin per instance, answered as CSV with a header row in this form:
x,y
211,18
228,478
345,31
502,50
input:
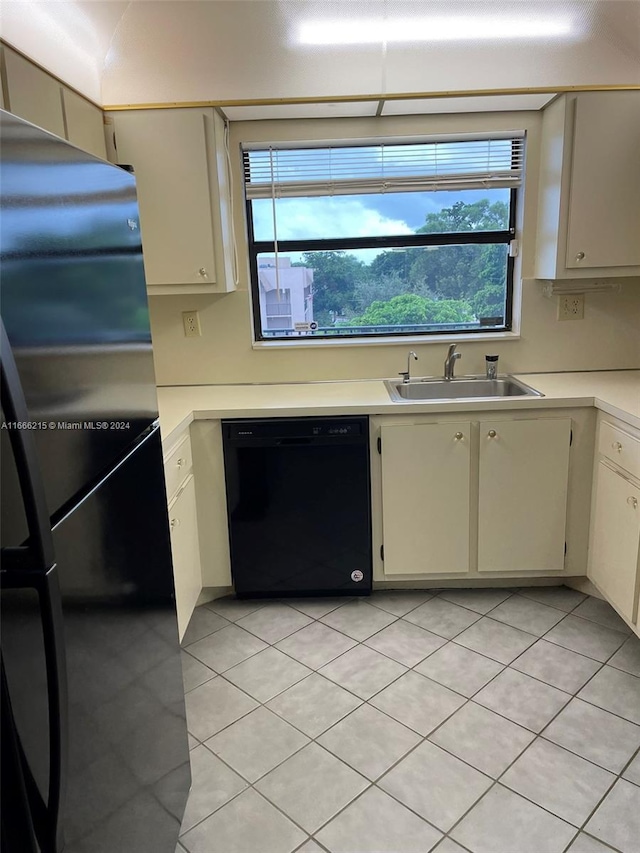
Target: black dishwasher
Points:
x,y
298,499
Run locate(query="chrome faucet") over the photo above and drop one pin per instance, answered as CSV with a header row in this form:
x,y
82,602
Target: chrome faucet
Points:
x,y
450,361
406,376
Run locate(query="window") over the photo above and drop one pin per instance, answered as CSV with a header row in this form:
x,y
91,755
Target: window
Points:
x,y
378,240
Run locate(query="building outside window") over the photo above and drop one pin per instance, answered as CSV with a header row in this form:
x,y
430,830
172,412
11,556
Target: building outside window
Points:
x,y
383,239
285,295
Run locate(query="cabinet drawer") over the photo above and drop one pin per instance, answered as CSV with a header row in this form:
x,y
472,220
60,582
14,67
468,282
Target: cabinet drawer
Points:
x,y
620,447
177,466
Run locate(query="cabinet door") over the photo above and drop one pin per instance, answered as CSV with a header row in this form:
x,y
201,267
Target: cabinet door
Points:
x,y
33,94
186,553
85,127
168,150
524,468
425,498
604,213
613,559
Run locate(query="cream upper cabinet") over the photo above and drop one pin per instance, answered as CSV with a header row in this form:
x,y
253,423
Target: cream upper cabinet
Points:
x,y
425,498
614,547
180,168
32,93
85,127
36,96
522,504
588,210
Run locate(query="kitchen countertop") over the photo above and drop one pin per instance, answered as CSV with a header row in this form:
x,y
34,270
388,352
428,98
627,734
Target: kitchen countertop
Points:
x,y
616,392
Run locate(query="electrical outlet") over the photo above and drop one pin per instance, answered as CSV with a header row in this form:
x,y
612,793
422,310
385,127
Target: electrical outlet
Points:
x,y
191,323
571,307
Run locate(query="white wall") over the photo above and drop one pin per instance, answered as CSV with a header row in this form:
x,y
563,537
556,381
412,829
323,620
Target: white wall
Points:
x,y
607,338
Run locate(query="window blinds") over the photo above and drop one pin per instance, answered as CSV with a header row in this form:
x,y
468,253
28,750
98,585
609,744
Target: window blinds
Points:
x,y
443,164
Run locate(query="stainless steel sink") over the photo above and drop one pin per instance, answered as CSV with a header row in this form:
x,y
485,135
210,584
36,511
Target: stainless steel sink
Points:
x,y
464,388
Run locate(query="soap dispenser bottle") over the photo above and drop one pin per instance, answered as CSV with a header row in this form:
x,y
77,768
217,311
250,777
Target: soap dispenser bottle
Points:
x,y
491,366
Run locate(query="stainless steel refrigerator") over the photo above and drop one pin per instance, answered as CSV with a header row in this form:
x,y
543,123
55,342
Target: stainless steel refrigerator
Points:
x,y
94,741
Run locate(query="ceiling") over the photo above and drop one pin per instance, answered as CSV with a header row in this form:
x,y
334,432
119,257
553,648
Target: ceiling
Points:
x,y
230,51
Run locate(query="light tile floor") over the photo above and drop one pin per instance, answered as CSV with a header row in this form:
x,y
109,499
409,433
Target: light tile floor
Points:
x,y
489,721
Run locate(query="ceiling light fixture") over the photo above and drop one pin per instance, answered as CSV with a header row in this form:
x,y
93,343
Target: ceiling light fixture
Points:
x,y
457,28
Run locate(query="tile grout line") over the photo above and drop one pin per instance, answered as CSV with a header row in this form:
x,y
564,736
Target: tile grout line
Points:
x,y
313,740
221,675
396,619
537,735
540,735
424,738
410,669
635,755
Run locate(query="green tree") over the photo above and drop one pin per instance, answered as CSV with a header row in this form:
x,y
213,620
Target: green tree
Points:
x,y
452,283
378,288
335,275
413,309
488,300
460,271
397,262
481,215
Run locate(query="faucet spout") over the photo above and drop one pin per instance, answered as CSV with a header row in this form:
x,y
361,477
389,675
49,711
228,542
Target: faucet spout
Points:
x,y
406,375
450,362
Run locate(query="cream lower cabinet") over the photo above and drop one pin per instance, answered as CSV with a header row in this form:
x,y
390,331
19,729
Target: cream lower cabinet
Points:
x,y
613,564
614,549
183,524
211,497
185,551
470,497
425,498
522,494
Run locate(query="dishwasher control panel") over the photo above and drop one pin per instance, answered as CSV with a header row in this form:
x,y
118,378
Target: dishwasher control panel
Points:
x,y
294,428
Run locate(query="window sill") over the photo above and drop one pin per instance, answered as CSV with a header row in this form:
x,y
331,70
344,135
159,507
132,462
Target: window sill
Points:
x,y
390,341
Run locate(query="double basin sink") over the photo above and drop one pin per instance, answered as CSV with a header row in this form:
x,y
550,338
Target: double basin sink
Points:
x,y
464,388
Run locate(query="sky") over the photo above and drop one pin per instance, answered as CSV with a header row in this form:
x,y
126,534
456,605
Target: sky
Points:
x,y
377,214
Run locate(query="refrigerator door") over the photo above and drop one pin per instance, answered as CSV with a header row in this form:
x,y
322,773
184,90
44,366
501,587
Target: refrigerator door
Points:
x,y
74,305
128,762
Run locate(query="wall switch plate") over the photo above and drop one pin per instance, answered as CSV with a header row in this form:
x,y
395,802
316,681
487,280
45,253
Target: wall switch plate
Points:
x,y
571,307
191,323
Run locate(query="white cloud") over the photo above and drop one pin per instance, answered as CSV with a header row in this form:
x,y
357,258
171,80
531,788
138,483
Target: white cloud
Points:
x,y
324,218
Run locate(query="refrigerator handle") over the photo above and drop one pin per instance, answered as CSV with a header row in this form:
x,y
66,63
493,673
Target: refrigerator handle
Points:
x,y
47,817
32,566
56,663
17,834
37,554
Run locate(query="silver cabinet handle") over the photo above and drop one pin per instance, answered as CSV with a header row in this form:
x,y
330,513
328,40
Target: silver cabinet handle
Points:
x,y
458,436
632,501
617,446
203,272
580,256
492,433
180,463
175,522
